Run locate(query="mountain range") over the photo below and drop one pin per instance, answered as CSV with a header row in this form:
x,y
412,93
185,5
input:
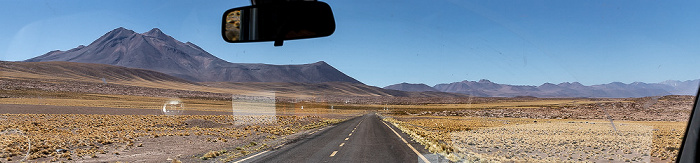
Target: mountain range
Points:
x,y
154,50
486,88
108,79
157,51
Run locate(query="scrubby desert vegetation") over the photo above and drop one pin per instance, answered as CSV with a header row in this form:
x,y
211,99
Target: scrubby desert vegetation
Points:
x,y
557,141
64,125
66,137
645,129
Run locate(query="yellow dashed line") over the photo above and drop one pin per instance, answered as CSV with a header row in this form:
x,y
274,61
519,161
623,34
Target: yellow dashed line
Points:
x,y
341,144
350,134
333,154
347,138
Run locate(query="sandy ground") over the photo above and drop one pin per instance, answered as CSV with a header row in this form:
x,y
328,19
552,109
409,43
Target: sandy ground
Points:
x,y
164,149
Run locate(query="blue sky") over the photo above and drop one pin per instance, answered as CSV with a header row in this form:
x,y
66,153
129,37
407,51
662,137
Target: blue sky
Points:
x,y
416,41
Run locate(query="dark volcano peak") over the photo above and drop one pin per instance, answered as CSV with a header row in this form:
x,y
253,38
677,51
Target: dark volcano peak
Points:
x,y
159,35
121,31
155,32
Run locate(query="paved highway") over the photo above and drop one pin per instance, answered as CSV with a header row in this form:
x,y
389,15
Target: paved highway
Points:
x,y
362,139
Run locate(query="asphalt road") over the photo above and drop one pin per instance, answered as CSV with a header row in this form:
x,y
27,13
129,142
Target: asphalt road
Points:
x,y
362,139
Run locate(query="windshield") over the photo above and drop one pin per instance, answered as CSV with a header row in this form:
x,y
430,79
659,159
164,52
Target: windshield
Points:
x,y
398,81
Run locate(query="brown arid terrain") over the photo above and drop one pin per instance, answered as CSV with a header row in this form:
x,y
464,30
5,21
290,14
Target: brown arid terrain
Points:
x,y
648,129
63,111
666,108
99,137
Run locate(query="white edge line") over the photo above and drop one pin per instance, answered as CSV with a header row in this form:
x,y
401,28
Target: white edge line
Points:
x,y
250,157
409,145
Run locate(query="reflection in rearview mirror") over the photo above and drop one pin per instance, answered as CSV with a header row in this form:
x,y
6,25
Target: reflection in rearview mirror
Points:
x,y
277,22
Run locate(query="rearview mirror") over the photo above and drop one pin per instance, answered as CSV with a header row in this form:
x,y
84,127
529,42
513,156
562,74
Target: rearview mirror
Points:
x,y
278,22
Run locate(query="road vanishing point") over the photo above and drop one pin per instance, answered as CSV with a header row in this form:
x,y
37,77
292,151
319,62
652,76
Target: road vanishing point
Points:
x,y
361,139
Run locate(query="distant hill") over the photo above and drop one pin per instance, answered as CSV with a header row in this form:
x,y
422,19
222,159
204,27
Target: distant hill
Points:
x,y
688,87
411,87
486,88
329,89
154,50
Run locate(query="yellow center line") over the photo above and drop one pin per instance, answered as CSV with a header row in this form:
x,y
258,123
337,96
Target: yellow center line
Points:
x,y
347,138
350,134
341,144
333,154
409,145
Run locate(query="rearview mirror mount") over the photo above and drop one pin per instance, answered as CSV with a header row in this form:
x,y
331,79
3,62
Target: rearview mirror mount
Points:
x,y
278,22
